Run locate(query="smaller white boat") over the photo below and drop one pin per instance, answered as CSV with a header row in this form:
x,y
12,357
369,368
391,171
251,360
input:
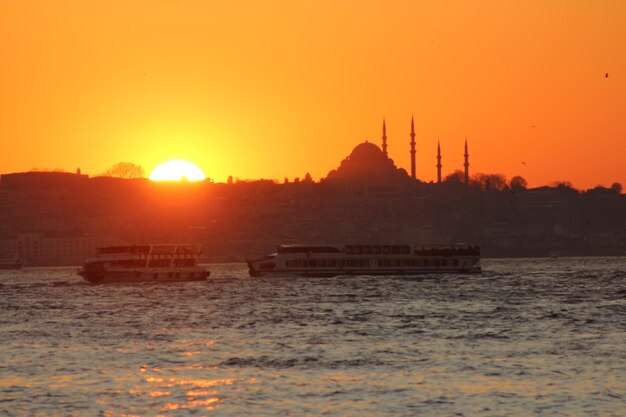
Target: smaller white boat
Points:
x,y
147,263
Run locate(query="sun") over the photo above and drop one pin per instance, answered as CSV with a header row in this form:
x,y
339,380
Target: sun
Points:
x,y
176,170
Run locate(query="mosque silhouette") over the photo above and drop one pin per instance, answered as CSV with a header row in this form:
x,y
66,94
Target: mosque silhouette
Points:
x,y
369,163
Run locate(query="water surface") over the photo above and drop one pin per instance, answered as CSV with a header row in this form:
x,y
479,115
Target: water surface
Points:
x,y
527,337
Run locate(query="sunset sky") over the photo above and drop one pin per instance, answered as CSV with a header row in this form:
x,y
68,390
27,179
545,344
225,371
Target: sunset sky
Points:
x,y
274,89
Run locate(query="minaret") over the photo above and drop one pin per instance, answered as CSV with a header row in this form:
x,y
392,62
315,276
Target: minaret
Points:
x,y
438,162
385,139
466,164
412,149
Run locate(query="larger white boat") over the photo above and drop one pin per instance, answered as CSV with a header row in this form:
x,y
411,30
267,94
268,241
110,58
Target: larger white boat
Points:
x,y
151,263
309,260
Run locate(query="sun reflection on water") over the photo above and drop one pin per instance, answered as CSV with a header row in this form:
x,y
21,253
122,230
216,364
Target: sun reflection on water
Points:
x,y
159,393
196,391
208,404
200,393
202,383
191,353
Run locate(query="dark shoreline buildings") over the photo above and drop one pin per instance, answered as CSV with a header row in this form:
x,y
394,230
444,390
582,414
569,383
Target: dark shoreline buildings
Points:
x,y
53,218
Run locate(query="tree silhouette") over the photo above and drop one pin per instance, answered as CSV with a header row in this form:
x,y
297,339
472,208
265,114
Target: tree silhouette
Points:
x,y
616,187
456,177
518,183
125,170
562,185
488,182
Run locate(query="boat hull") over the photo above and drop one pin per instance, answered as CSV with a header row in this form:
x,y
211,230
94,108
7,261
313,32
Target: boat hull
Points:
x,y
101,277
329,274
254,271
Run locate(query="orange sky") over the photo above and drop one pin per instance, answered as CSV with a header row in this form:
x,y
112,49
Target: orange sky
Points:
x,y
268,89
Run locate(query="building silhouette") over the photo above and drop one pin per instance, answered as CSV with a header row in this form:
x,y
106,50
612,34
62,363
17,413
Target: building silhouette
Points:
x,y
367,164
438,162
385,139
412,151
412,148
466,164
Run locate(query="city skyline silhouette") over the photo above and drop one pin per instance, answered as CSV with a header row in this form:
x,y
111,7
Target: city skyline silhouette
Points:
x,y
264,90
372,162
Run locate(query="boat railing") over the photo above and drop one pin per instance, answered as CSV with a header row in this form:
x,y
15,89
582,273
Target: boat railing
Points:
x,y
449,251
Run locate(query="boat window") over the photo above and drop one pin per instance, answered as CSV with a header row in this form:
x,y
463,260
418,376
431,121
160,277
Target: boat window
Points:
x,y
130,263
376,250
307,249
425,262
349,249
163,249
321,262
158,263
312,262
386,249
406,249
395,249
358,249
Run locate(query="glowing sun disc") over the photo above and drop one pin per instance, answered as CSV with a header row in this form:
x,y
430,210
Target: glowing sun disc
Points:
x,y
177,170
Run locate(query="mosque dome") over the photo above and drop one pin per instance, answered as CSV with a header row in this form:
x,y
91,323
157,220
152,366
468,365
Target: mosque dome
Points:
x,y
367,162
366,151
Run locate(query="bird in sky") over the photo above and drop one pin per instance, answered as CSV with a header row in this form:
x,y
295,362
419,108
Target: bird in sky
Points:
x,y
606,75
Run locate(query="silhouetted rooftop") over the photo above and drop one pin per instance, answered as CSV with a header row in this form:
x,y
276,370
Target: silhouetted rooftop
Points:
x,y
367,164
367,152
35,179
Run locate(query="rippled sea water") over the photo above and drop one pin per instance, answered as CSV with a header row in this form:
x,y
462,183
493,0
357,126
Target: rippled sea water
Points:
x,y
527,337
